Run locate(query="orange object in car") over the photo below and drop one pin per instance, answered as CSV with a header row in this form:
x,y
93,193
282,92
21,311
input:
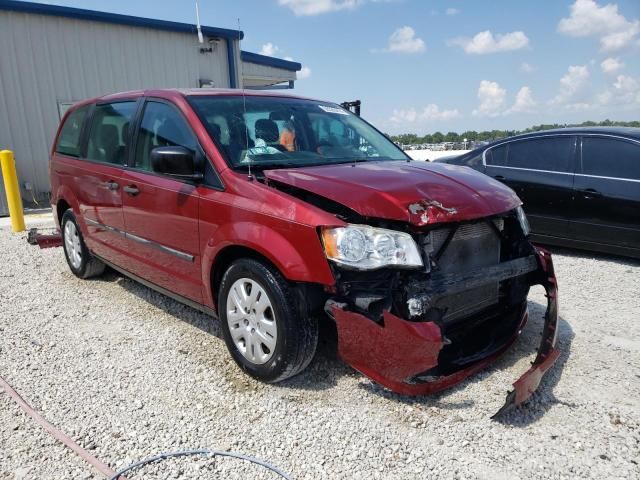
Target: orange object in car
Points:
x,y
288,139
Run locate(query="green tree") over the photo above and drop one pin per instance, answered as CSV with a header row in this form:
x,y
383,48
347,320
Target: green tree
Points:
x,y
451,137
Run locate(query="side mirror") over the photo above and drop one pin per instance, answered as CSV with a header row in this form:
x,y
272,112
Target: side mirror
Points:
x,y
179,162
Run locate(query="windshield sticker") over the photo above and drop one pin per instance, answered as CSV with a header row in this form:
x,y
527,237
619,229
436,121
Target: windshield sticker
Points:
x,y
336,110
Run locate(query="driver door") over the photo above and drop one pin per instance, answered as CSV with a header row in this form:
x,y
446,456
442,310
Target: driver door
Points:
x,y
160,212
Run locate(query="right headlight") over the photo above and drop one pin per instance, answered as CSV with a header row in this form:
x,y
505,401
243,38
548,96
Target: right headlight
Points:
x,y
524,223
367,248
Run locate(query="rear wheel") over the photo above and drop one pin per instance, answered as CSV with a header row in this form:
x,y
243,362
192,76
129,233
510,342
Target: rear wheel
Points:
x,y
266,331
79,259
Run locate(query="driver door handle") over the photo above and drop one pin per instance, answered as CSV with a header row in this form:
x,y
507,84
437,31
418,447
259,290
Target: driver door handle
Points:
x,y
499,177
131,190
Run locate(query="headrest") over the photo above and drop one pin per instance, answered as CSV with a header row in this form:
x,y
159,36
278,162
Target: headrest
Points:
x,y
267,130
109,136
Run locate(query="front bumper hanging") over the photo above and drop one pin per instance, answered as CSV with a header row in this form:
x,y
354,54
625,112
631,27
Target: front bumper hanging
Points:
x,y
394,353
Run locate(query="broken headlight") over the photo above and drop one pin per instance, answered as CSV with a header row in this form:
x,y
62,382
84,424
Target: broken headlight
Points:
x,y
524,223
367,248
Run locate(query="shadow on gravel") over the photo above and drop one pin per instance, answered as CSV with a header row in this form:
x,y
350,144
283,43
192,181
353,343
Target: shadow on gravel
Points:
x,y
543,399
327,368
179,310
525,346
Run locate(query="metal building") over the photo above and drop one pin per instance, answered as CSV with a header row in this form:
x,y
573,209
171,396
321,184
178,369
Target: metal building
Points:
x,y
53,56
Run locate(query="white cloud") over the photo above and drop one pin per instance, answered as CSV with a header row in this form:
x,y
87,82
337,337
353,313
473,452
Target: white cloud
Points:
x,y
527,67
611,65
485,42
587,18
269,49
572,85
430,113
404,40
452,11
492,99
317,7
625,92
524,102
304,73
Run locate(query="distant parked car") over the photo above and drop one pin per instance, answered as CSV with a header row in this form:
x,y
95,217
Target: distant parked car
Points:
x,y
580,186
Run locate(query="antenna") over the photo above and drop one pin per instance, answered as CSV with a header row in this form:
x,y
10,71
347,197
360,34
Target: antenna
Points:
x,y
244,105
200,37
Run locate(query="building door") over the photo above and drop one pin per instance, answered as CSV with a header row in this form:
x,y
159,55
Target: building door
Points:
x,y
160,212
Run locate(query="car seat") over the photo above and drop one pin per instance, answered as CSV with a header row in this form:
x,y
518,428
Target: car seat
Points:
x,y
268,131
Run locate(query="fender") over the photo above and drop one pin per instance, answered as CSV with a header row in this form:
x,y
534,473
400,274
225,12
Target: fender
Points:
x,y
298,255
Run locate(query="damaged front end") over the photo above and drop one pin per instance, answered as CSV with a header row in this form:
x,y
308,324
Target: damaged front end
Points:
x,y
417,332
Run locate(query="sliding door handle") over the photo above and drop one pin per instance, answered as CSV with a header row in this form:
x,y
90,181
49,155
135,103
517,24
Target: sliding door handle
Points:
x,y
499,177
131,190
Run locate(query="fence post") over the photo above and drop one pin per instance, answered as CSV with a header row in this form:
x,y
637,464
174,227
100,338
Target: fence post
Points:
x,y
12,190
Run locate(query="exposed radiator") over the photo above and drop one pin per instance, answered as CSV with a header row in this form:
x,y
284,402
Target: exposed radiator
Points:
x,y
473,246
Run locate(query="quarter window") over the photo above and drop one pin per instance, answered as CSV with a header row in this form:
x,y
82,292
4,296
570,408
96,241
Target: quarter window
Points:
x,y
162,126
69,139
608,157
109,137
497,156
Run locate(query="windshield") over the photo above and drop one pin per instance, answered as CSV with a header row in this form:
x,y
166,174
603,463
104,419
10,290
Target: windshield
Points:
x,y
276,131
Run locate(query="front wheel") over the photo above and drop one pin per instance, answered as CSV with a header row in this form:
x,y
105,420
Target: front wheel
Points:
x,y
79,259
269,335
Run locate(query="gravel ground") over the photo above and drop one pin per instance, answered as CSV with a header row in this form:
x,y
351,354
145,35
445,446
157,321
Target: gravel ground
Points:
x,y
129,373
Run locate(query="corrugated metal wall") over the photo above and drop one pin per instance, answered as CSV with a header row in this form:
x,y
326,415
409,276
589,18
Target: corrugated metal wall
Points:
x,y
46,60
254,74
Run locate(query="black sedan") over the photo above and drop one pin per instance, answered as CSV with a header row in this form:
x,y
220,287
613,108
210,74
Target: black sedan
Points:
x,y
580,186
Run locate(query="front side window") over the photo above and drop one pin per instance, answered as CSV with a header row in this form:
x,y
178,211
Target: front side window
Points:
x,y
109,135
69,139
162,126
546,153
610,157
276,131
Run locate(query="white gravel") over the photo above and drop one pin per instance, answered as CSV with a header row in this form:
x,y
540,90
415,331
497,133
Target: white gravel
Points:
x,y
129,373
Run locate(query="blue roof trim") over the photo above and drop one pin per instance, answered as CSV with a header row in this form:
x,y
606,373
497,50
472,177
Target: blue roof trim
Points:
x,y
82,14
270,61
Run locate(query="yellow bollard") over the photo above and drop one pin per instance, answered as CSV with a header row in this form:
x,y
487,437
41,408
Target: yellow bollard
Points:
x,y
12,190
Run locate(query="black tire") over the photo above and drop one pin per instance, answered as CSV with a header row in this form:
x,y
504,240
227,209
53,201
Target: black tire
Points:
x,y
297,330
89,265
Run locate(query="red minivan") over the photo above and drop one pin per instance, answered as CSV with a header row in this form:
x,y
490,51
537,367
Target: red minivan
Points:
x,y
275,212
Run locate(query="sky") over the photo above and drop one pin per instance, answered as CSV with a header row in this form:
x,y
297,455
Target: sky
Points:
x,y
421,66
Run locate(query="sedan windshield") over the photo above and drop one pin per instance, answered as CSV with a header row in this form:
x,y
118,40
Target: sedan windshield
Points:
x,y
288,132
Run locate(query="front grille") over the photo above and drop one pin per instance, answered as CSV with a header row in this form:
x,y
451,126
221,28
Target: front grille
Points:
x,y
473,246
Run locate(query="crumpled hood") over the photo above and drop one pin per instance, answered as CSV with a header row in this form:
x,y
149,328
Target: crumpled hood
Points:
x,y
414,192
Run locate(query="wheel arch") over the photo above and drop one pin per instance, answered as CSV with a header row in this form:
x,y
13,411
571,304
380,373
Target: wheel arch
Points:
x,y
251,241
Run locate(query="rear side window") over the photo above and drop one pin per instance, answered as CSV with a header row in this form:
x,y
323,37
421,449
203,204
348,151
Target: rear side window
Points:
x,y
609,157
109,136
69,139
162,126
497,156
548,153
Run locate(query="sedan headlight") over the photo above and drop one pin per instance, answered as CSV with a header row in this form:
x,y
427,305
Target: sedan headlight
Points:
x,y
367,248
524,223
